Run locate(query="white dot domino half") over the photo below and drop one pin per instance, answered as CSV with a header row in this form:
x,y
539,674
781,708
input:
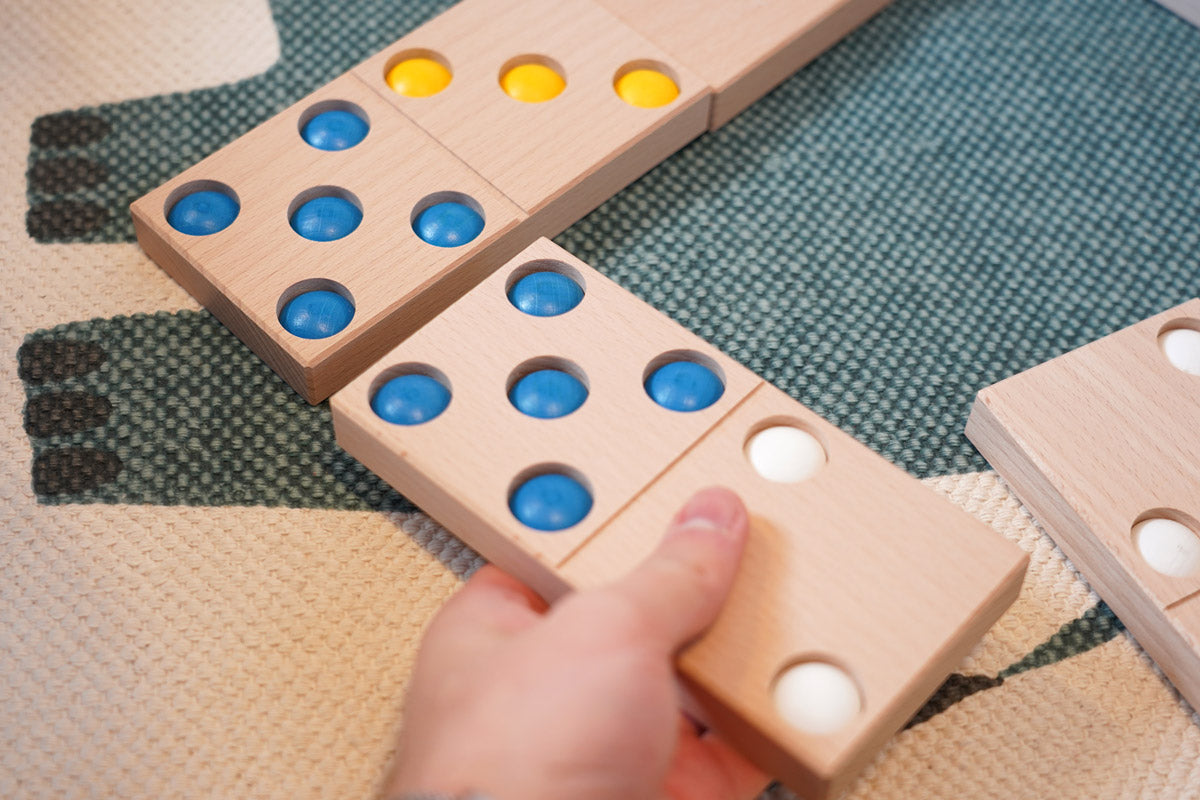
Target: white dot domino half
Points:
x,y
785,454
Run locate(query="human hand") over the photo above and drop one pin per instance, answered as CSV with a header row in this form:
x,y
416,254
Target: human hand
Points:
x,y
517,700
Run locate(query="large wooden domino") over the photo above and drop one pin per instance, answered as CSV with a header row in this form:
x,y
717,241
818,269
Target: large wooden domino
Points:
x,y
743,50
246,272
856,576
525,168
1102,444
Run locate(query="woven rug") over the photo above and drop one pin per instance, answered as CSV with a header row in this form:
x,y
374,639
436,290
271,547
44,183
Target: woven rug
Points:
x,y
202,596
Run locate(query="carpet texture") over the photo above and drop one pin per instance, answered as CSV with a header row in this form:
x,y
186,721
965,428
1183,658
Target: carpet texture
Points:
x,y
203,597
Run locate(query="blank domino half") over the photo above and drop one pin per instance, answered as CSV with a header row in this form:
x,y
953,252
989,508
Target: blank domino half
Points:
x,y
1102,444
743,50
856,578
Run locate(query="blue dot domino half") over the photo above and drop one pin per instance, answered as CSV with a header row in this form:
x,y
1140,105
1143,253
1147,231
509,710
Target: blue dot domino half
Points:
x,y
550,502
545,294
410,399
204,212
335,130
448,224
684,386
324,219
316,315
548,394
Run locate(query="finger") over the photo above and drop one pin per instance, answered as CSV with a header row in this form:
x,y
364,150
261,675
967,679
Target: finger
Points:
x,y
680,587
491,600
492,583
705,768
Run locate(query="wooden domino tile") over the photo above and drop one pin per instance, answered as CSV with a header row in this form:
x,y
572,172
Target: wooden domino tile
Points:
x,y
743,50
559,158
479,349
1099,441
246,272
527,168
858,569
863,566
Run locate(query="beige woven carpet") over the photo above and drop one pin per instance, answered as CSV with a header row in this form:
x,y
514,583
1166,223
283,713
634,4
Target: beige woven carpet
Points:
x,y
155,647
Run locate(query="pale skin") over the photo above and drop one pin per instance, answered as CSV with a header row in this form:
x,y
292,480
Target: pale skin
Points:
x,y
518,700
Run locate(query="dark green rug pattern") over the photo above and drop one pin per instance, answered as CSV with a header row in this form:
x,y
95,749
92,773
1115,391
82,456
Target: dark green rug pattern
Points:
x,y
87,165
172,409
958,191
1097,626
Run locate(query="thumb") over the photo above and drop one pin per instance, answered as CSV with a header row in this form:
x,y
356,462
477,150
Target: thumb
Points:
x,y
680,587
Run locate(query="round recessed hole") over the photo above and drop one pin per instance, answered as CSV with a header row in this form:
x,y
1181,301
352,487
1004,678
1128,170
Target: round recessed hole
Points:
x,y
334,125
410,394
417,73
550,497
684,380
200,208
447,219
816,697
1180,343
547,387
646,84
783,451
315,309
325,213
545,288
532,78
1169,542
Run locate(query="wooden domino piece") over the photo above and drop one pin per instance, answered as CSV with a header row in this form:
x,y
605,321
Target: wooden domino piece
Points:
x,y
858,574
1099,441
559,158
526,168
743,50
481,360
247,272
